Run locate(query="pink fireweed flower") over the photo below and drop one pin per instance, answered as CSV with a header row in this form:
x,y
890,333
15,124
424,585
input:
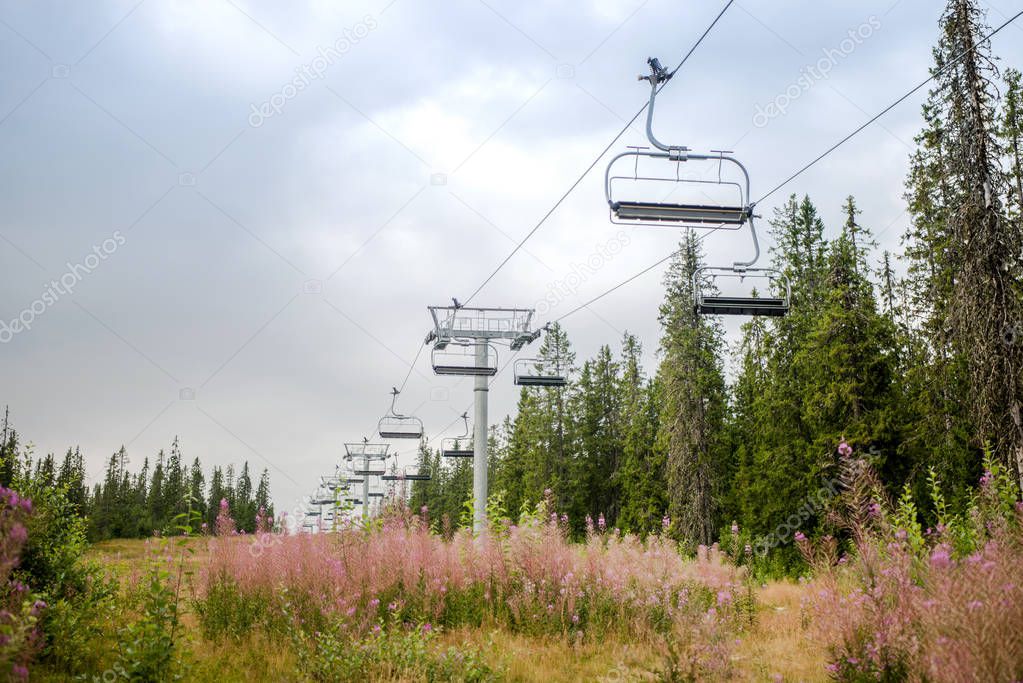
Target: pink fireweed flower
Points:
x,y
18,534
986,478
800,537
575,618
665,522
844,449
427,627
601,522
375,602
724,597
735,529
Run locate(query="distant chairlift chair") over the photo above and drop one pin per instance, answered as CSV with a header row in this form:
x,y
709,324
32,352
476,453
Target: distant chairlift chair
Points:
x,y
394,425
459,446
407,474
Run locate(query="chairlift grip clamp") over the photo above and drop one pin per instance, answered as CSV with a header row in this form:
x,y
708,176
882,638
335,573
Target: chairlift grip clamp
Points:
x,y
678,153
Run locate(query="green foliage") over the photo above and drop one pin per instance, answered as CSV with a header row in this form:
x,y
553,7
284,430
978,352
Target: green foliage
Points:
x,y
391,652
906,519
149,647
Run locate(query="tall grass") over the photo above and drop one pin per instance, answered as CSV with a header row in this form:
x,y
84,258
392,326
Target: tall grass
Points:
x,y
526,578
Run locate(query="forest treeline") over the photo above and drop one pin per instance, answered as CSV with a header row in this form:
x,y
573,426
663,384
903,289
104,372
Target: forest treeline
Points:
x,y
157,498
920,369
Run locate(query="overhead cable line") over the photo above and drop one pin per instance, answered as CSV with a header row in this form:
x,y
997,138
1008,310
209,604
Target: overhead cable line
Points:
x,y
600,156
894,104
810,165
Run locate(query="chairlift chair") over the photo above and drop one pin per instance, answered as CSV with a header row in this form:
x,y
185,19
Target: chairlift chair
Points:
x,y
536,372
730,207
369,471
459,446
407,474
462,358
754,305
708,301
394,425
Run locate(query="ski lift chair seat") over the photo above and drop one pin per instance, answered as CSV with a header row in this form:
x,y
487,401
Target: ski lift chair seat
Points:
x,y
456,451
749,306
698,214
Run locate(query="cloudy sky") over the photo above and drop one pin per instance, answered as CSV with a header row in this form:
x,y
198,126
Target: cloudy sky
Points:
x,y
247,206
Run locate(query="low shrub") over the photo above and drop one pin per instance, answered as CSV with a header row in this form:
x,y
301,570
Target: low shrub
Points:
x,y
390,651
20,608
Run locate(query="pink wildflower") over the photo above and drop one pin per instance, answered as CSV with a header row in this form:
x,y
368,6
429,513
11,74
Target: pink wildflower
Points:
x,y
844,449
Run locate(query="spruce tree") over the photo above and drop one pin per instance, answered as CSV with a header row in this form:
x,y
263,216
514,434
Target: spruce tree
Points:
x,y
694,403
967,251
640,479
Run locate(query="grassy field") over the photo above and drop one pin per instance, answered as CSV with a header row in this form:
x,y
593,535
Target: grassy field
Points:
x,y
774,647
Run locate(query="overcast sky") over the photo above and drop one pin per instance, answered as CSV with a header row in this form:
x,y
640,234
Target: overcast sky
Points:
x,y
252,203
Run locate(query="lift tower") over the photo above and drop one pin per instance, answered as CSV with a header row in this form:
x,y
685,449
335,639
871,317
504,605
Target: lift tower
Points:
x,y
464,344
